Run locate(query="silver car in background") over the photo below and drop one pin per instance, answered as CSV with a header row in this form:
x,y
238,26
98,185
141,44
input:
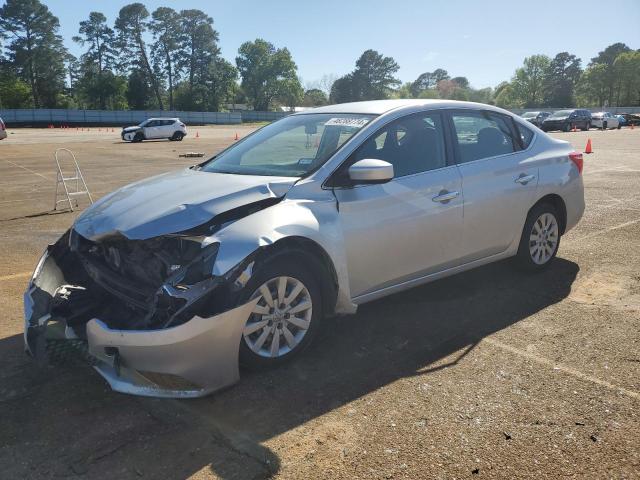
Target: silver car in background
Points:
x,y
167,284
605,120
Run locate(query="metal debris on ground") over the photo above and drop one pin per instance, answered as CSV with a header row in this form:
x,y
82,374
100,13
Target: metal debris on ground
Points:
x,y
191,154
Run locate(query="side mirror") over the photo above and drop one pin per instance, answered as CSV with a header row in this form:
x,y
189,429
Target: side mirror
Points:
x,y
370,171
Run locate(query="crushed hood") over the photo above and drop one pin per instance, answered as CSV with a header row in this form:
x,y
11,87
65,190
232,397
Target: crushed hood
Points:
x,y
174,202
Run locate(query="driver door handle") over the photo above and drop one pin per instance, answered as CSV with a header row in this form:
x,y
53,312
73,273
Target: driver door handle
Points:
x,y
524,179
444,196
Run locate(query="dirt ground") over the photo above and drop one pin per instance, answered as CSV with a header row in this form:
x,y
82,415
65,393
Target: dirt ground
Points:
x,y
488,374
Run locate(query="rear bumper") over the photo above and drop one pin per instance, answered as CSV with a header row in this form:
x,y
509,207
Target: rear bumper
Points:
x,y
193,359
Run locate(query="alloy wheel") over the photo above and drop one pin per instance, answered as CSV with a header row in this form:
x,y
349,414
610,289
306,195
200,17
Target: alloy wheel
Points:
x,y
280,319
543,239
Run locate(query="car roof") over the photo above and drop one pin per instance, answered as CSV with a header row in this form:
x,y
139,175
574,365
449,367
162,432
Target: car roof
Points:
x,y
163,118
378,107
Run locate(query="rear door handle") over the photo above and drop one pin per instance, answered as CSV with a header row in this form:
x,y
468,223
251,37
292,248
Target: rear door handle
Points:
x,y
524,179
444,196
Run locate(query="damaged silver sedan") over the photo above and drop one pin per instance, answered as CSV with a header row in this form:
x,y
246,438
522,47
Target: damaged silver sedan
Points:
x,y
168,284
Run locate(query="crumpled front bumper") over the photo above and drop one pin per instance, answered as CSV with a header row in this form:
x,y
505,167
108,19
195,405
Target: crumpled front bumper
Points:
x,y
193,359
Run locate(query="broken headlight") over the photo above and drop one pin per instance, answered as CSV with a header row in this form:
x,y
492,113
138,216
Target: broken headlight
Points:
x,y
199,269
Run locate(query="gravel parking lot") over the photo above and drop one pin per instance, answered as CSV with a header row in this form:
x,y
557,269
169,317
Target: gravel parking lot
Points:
x,y
489,374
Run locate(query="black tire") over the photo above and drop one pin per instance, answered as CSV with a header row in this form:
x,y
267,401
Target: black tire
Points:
x,y
566,127
587,126
177,137
295,266
619,126
138,137
524,258
604,125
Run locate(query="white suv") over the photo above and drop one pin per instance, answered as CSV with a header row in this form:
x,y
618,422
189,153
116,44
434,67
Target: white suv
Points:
x,y
3,130
604,120
153,128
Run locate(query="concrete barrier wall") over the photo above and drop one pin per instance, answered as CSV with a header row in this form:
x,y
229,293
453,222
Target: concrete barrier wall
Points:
x,y
111,117
41,117
255,116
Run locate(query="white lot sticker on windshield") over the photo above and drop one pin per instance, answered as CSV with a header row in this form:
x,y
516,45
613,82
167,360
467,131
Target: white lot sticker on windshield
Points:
x,y
356,122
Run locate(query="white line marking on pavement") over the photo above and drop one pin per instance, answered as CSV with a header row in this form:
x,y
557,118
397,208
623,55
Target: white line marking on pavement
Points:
x,y
606,230
29,170
562,368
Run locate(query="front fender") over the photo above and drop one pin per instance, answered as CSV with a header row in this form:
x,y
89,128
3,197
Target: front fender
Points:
x,y
315,220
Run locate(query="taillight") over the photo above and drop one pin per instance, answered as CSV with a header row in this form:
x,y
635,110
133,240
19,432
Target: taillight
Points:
x,y
576,157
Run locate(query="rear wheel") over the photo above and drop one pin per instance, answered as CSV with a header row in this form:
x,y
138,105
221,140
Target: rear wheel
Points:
x,y
604,125
540,238
587,126
286,317
567,127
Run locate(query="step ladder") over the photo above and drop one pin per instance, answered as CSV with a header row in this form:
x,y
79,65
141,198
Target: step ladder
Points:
x,y
71,191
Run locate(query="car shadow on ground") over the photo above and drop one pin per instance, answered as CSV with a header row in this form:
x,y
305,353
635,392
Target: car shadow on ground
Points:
x,y
397,337
404,335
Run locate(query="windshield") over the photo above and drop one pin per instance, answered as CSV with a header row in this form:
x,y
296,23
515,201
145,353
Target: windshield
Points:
x,y
561,114
291,147
529,114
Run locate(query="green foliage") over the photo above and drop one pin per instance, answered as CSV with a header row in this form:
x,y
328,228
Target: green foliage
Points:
x,y
181,67
561,78
167,34
528,83
429,80
35,49
267,74
131,26
314,97
372,79
14,93
627,72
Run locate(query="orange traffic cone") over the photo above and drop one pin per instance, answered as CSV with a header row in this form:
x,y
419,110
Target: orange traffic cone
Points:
x,y
197,134
588,148
237,138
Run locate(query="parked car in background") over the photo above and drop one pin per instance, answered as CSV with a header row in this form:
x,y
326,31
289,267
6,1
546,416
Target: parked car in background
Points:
x,y
155,128
621,120
3,130
604,120
631,119
565,120
166,279
535,117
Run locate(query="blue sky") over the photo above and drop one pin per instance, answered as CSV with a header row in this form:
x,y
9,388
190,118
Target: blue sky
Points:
x,y
482,40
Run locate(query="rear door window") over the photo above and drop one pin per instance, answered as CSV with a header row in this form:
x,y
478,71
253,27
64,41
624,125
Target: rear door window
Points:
x,y
482,135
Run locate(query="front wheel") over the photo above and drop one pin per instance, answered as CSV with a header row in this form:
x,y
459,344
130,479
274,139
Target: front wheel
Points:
x,y
540,238
177,137
604,125
567,127
587,126
286,317
138,137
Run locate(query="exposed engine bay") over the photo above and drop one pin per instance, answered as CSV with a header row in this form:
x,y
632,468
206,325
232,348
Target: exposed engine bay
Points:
x,y
111,300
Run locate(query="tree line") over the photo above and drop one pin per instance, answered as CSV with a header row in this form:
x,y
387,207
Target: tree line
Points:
x,y
170,59
166,59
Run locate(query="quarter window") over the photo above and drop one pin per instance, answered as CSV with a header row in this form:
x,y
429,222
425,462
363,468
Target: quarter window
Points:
x,y
412,144
482,135
526,135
